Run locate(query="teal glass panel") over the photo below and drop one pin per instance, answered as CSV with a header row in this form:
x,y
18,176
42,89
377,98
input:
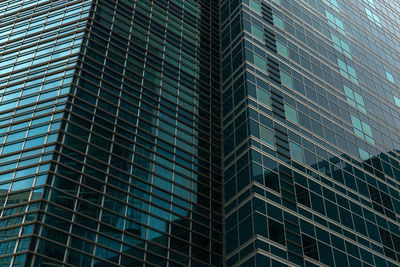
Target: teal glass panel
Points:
x,y
370,2
257,32
341,45
286,79
396,100
332,3
282,49
266,135
362,129
255,5
264,97
373,17
278,22
291,113
389,76
364,155
354,99
296,152
260,62
335,22
347,71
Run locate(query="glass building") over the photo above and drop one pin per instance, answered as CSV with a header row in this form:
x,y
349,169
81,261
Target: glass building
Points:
x,y
311,123
200,133
110,133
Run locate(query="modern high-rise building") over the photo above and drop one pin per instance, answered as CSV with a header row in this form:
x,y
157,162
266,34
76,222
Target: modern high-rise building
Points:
x,y
110,133
311,122
200,133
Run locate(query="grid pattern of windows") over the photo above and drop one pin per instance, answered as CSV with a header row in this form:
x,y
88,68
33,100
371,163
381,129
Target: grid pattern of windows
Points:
x,y
362,129
199,133
110,118
282,49
325,192
332,3
335,22
354,99
341,45
39,44
347,71
373,17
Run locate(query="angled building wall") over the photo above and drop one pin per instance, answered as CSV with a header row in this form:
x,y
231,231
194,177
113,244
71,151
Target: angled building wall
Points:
x,y
199,133
135,173
310,132
40,44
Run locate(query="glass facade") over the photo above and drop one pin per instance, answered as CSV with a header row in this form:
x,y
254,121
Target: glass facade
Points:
x,y
199,133
310,121
110,133
39,42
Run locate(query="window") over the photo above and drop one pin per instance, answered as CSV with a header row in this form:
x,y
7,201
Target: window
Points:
x,y
362,129
347,71
396,100
260,62
354,99
286,79
309,247
278,22
373,17
257,33
335,22
389,76
271,180
370,2
276,231
256,6
291,113
296,152
263,97
332,3
364,155
282,49
302,196
266,135
341,45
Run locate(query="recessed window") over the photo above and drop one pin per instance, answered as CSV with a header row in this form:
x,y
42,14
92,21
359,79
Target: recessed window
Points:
x,y
276,231
310,247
